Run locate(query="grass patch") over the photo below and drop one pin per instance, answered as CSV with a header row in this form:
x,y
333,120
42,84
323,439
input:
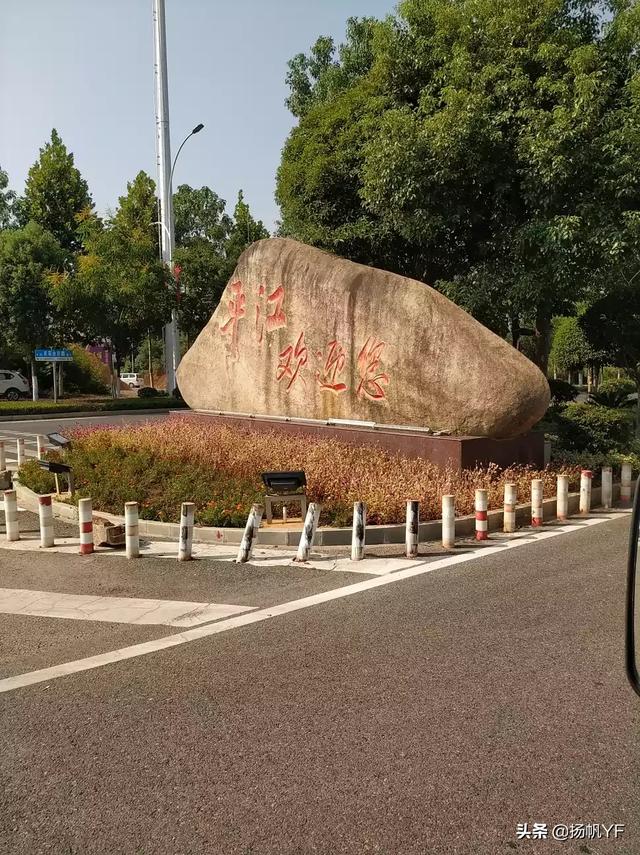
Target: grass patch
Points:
x,y
163,463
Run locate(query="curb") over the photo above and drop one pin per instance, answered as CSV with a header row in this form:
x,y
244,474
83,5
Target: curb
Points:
x,y
28,417
376,535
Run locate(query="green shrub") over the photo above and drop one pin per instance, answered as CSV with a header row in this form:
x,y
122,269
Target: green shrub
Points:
x,y
159,486
614,393
147,392
593,428
86,375
624,384
10,408
36,478
561,392
595,462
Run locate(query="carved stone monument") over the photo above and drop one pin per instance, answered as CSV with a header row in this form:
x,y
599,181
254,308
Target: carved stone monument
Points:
x,y
302,333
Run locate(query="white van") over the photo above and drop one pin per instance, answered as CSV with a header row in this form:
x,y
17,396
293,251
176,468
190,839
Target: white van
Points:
x,y
133,381
13,385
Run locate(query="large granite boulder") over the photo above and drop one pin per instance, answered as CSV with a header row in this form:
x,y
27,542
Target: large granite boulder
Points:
x,y
302,333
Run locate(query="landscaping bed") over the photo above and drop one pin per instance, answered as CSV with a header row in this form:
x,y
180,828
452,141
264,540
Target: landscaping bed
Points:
x,y
87,405
161,464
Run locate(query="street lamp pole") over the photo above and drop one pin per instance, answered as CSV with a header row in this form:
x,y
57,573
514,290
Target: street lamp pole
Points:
x,y
163,144
165,176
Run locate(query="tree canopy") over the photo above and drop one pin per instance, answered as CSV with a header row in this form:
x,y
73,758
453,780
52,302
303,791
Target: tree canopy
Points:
x,y
120,288
27,258
56,193
490,149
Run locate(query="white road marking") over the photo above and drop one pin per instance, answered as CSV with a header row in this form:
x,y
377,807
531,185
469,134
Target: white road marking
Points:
x,y
113,609
417,568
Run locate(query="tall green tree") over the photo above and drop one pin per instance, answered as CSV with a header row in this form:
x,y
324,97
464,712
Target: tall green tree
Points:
x,y
202,229
484,147
7,198
612,324
120,289
245,231
56,193
28,257
199,215
209,243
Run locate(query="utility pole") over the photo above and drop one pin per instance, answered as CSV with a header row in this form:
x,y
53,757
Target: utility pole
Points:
x,y
171,338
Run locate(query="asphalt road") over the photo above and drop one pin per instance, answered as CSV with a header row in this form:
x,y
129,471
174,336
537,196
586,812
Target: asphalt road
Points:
x,y
429,716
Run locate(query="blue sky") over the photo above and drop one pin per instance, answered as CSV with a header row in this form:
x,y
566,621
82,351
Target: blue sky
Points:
x,y
86,68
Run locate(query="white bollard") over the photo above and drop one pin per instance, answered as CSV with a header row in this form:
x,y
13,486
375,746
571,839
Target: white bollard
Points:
x,y
537,487
45,513
85,519
3,458
625,483
412,528
510,501
131,530
185,541
12,526
358,533
308,532
42,444
20,450
607,487
482,525
562,497
448,521
585,491
250,534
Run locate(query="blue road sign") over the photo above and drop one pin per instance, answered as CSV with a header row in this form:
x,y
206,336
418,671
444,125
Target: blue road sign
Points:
x,y
53,354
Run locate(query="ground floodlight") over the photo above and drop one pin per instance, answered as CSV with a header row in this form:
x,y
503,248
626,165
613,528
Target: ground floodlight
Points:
x,y
59,440
284,482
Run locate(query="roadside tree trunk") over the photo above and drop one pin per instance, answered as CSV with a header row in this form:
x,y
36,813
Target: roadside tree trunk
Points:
x,y
35,392
543,338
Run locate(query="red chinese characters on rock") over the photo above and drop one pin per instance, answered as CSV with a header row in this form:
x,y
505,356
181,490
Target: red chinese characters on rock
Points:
x,y
328,377
297,354
274,318
372,381
237,310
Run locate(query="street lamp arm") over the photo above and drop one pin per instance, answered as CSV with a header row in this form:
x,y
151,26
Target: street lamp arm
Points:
x,y
196,130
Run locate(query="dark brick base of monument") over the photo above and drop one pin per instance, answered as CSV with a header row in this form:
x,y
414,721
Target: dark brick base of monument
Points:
x,y
459,452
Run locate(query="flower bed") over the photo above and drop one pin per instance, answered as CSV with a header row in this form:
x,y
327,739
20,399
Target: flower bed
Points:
x,y
163,463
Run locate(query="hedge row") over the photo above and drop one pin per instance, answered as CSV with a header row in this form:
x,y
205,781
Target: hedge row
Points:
x,y
11,408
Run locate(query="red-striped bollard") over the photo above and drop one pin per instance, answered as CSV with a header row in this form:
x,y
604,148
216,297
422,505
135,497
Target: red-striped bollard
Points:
x,y
510,501
45,514
85,519
536,501
585,491
482,532
12,527
41,444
